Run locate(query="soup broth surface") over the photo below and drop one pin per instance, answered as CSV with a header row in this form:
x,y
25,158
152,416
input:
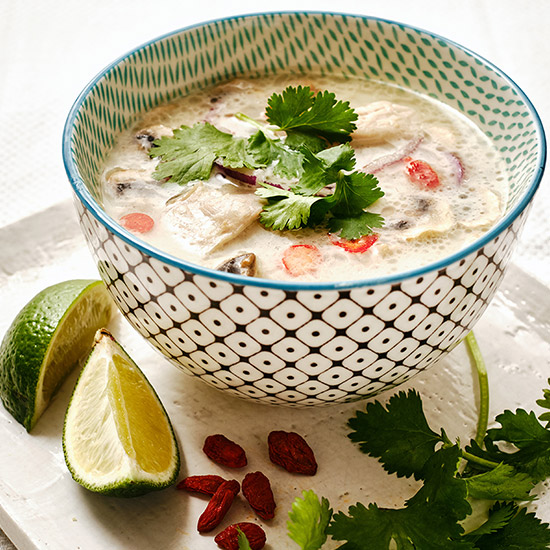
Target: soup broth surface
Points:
x,y
209,222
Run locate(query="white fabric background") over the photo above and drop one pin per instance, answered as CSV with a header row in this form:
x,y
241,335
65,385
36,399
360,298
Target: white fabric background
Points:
x,y
49,50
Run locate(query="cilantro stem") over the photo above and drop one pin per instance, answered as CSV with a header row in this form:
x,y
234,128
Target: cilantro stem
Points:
x,y
263,127
246,118
483,380
481,461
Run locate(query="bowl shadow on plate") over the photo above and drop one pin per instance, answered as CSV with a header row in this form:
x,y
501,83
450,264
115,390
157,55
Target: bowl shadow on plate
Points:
x,y
153,519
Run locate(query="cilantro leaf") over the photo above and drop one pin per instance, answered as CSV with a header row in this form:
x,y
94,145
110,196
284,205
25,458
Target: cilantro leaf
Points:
x,y
356,226
499,516
282,109
296,140
524,431
284,209
442,491
339,157
500,483
190,153
309,519
428,522
243,541
523,531
545,404
264,150
299,206
490,453
354,192
324,168
398,434
372,528
300,109
314,175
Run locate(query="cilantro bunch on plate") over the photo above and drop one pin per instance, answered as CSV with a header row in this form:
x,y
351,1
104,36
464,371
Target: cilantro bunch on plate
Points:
x,y
305,143
502,465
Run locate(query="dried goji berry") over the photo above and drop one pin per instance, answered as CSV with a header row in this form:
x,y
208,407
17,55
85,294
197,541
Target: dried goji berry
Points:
x,y
290,450
224,451
257,490
228,539
206,485
217,507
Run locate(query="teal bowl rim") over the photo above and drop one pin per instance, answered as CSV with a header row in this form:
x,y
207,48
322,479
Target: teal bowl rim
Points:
x,y
89,202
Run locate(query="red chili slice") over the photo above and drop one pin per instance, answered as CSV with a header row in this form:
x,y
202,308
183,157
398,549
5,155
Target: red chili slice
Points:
x,y
137,222
421,173
356,246
300,259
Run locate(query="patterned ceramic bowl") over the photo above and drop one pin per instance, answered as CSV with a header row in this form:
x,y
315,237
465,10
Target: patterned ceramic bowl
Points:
x,y
286,343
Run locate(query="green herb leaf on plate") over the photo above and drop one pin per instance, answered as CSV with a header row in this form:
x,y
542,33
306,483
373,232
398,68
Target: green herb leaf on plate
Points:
x,y
397,434
521,531
499,516
524,431
309,519
430,520
243,541
545,404
502,483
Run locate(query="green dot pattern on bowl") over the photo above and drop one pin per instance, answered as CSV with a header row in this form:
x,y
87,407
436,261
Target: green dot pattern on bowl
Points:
x,y
304,43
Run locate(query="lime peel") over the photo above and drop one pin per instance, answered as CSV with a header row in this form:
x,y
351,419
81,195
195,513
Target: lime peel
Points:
x,y
47,339
117,438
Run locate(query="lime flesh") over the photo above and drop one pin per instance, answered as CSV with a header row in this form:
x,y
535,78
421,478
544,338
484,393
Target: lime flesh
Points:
x,y
47,339
118,439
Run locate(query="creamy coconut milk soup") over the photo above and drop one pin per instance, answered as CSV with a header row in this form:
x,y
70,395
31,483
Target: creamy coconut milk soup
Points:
x,y
443,183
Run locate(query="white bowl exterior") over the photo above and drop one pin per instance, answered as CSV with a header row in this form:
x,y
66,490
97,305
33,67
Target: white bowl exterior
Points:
x,y
286,344
298,348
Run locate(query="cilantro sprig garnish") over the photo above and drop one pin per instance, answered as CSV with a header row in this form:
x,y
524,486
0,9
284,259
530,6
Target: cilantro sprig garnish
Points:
x,y
302,206
312,156
501,464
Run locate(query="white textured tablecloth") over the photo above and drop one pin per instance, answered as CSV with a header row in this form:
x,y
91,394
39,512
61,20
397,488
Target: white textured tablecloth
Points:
x,y
50,50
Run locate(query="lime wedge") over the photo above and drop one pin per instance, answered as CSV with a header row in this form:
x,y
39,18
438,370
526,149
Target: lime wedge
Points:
x,y
46,340
118,439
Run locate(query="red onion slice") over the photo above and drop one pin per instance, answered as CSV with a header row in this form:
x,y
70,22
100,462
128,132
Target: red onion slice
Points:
x,y
249,179
458,167
235,174
387,160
